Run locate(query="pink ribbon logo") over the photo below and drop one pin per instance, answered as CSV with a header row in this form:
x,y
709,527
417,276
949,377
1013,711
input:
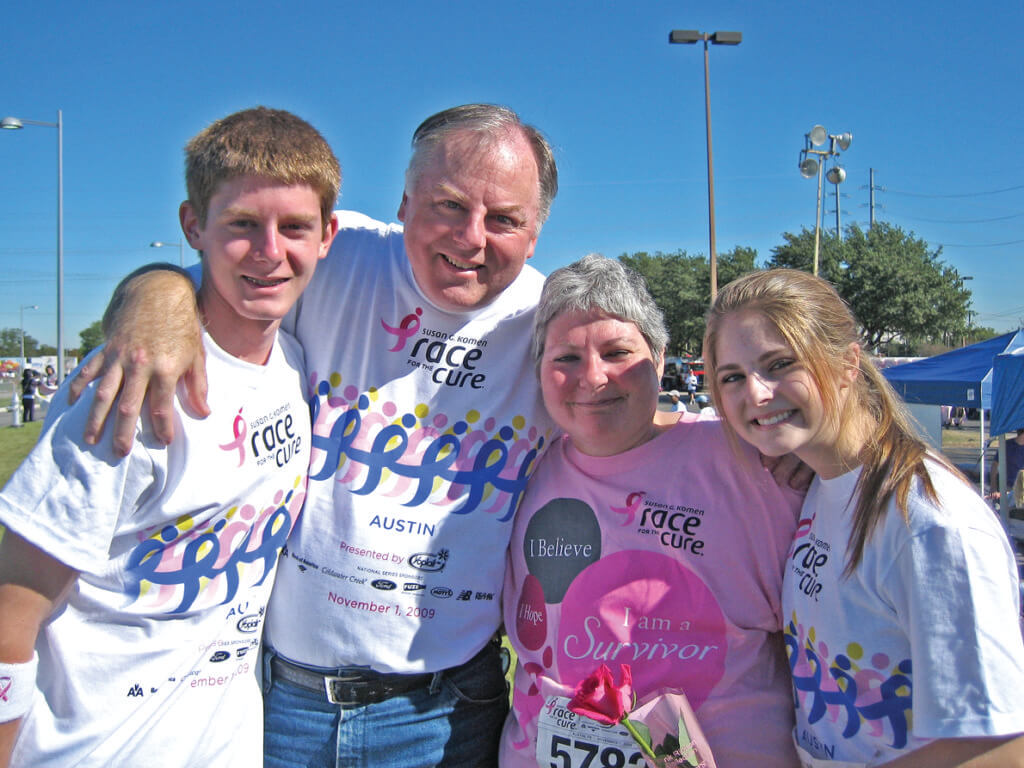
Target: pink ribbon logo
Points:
x,y
405,330
633,503
5,688
239,428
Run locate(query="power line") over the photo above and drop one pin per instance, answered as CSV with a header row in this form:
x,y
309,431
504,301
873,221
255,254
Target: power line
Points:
x,y
965,194
1013,312
964,221
980,245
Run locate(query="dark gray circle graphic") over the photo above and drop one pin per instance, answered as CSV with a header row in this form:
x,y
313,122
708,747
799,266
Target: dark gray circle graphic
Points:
x,y
562,539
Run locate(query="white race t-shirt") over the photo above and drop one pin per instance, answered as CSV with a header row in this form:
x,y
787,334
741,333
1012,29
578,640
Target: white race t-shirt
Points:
x,y
150,659
426,426
921,642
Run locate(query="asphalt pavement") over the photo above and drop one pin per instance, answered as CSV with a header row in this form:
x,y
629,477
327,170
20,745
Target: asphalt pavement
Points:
x,y
7,415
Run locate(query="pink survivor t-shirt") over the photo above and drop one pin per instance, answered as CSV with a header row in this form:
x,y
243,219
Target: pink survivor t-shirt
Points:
x,y
668,558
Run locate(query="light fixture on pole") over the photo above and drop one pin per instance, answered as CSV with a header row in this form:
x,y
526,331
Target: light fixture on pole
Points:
x,y
812,163
13,124
181,249
690,36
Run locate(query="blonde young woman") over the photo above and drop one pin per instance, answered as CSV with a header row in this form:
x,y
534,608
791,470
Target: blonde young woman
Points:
x,y
900,597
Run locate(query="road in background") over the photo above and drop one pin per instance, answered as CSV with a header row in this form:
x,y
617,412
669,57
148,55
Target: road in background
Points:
x,y
9,387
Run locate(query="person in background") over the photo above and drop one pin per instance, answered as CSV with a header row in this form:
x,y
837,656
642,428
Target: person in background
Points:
x,y
677,403
47,385
132,592
624,550
691,387
957,416
1014,464
29,384
900,596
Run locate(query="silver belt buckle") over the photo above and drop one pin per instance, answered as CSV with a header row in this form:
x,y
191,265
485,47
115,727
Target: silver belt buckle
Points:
x,y
333,682
330,690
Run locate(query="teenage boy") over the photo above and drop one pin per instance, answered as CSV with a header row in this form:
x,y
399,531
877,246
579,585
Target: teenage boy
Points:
x,y
132,593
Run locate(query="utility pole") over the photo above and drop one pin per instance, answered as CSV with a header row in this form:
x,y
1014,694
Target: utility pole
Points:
x,y
872,188
871,196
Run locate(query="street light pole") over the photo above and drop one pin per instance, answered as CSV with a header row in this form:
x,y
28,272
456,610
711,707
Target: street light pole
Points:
x,y
689,36
21,320
14,123
837,175
181,249
817,222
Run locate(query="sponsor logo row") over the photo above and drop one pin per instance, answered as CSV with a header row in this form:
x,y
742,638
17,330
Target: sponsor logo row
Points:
x,y
441,593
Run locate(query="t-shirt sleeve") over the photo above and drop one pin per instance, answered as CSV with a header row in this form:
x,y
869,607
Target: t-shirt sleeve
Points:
x,y
353,228
957,595
67,497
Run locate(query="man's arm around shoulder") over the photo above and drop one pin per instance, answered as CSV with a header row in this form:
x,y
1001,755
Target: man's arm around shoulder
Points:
x,y
154,338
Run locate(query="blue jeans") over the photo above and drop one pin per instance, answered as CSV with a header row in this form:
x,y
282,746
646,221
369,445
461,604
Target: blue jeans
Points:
x,y
453,722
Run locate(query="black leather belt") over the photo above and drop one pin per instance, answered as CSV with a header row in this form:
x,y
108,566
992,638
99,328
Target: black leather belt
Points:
x,y
349,688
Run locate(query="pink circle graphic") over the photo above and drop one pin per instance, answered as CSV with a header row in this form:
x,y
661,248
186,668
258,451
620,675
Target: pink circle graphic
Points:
x,y
531,614
647,610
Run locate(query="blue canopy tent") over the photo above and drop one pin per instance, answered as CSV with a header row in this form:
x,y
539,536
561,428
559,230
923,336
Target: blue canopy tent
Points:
x,y
1008,392
960,377
988,375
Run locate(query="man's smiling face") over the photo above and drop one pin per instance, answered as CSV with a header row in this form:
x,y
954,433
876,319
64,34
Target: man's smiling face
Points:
x,y
471,218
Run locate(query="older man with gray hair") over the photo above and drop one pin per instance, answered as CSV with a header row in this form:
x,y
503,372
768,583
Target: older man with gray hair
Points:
x,y
381,633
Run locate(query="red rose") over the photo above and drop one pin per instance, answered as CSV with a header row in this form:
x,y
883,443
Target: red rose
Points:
x,y
598,698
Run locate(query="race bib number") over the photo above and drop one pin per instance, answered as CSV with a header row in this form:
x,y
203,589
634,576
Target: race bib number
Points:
x,y
568,740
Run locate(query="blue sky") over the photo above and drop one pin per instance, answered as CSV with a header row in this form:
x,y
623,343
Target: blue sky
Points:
x,y
930,92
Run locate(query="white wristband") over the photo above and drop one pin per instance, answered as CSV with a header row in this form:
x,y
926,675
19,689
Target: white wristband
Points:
x,y
17,684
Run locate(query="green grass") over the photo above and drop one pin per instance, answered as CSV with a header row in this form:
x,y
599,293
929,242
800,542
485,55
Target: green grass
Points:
x,y
15,443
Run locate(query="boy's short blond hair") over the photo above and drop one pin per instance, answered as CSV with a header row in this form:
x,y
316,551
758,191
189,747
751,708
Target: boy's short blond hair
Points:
x,y
262,142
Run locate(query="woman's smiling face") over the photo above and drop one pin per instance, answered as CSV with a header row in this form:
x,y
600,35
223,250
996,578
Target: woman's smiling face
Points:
x,y
600,380
768,396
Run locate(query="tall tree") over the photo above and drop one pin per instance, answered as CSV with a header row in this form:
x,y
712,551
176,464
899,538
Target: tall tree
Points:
x,y
732,264
898,289
797,252
10,343
674,282
681,287
91,338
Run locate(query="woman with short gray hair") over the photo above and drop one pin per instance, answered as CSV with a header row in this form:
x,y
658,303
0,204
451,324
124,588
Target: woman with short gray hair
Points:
x,y
639,541
596,282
